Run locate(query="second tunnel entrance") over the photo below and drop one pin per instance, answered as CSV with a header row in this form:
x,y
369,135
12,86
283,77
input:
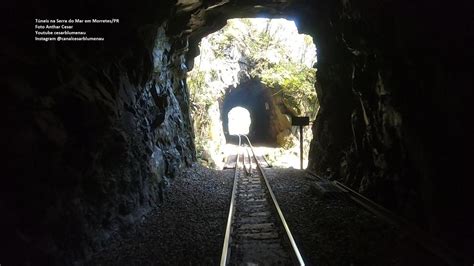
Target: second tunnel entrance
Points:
x,y
267,120
263,65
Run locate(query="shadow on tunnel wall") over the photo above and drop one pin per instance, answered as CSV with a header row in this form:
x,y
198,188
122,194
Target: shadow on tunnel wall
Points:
x,y
89,146
395,90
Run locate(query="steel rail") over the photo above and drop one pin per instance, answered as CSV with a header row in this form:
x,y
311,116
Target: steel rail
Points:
x,y
247,169
266,161
277,206
428,242
225,248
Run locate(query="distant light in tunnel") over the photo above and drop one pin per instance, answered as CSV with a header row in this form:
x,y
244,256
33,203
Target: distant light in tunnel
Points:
x,y
239,121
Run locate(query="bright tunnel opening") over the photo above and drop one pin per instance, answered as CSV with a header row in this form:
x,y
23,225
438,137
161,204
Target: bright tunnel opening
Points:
x,y
239,121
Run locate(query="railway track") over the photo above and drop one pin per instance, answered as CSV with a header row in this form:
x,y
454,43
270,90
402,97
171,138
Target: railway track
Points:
x,y
426,241
256,232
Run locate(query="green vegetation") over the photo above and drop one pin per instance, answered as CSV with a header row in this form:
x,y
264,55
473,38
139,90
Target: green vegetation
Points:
x,y
269,50
295,84
271,58
202,99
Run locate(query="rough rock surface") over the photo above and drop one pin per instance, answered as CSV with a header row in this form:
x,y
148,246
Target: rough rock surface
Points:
x,y
187,229
86,137
94,132
393,101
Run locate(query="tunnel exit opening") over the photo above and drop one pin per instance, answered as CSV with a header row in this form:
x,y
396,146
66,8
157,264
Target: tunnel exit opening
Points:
x,y
260,64
239,121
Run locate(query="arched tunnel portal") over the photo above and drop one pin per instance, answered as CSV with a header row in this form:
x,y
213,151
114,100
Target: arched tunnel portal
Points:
x,y
257,99
94,131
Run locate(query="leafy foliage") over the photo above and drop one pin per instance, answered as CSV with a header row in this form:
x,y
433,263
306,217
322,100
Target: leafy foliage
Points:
x,y
265,49
202,98
295,83
269,58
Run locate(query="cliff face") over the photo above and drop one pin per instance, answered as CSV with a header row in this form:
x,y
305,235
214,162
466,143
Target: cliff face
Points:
x,y
94,131
394,92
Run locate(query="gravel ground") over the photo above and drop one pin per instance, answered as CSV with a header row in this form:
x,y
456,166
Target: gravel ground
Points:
x,y
337,232
187,229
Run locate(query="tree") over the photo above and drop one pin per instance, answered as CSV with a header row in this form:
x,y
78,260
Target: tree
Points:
x,y
269,50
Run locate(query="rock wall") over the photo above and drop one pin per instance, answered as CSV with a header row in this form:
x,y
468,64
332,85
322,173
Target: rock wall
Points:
x,y
395,86
95,131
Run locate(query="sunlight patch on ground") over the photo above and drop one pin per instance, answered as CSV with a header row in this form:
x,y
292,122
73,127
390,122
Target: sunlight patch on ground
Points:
x,y
281,158
277,157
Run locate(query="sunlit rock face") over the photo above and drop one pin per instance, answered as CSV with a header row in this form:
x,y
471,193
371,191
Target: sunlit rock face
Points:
x,y
231,56
92,131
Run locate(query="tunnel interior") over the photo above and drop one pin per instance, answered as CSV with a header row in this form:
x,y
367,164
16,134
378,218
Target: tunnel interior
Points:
x,y
97,131
257,99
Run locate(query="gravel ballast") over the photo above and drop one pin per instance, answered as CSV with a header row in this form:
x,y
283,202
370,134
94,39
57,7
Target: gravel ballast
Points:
x,y
187,229
334,231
